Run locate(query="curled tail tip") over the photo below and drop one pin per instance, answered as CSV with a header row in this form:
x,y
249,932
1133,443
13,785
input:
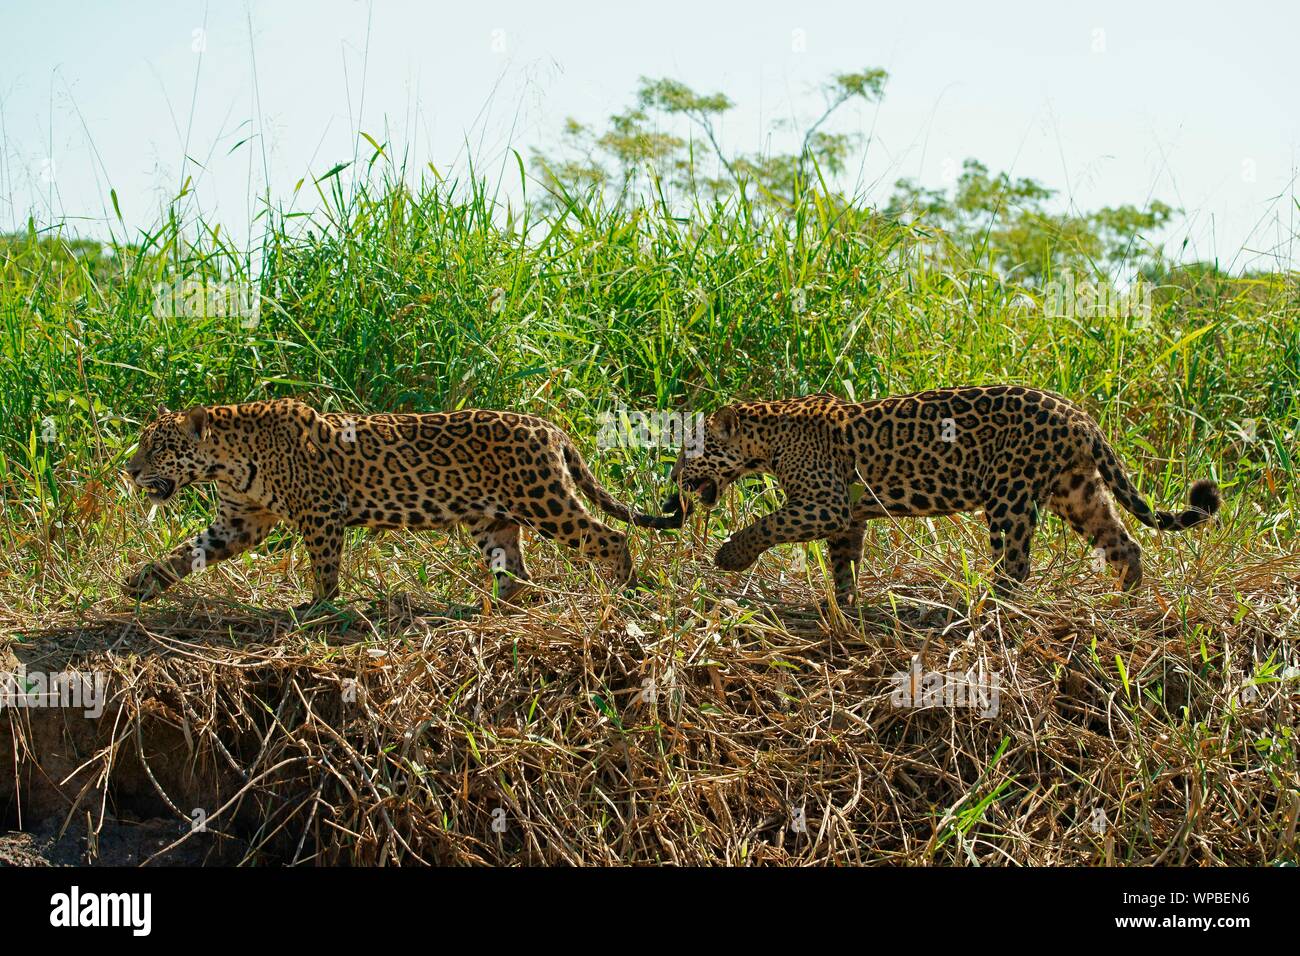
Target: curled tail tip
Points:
x,y
674,517
1203,503
668,522
1205,497
659,522
678,508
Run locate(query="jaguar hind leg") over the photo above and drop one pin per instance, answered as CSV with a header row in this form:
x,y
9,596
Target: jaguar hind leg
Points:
x,y
1080,498
845,553
572,525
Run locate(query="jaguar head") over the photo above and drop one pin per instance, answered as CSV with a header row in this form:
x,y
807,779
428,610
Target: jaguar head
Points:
x,y
710,460
174,451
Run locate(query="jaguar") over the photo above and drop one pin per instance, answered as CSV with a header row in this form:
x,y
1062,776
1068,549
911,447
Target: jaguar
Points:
x,y
493,472
1005,450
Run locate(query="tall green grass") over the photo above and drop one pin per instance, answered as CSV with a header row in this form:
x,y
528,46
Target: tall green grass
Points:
x,y
436,297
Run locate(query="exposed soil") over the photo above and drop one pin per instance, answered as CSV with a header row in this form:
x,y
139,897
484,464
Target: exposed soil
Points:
x,y
113,843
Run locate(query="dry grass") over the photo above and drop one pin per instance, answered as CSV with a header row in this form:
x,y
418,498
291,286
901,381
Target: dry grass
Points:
x,y
695,724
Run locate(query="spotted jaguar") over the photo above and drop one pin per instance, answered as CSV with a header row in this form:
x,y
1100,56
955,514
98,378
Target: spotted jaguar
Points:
x,y
282,461
1006,450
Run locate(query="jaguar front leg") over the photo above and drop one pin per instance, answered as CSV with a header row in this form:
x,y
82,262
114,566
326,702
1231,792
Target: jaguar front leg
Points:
x,y
798,520
236,528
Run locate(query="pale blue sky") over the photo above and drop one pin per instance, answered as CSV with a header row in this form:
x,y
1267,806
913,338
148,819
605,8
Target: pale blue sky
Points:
x,y
1191,103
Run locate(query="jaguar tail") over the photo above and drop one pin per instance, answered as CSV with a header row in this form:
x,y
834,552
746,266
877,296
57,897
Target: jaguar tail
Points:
x,y
607,503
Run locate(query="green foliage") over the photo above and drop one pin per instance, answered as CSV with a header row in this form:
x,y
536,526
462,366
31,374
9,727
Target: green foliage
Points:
x,y
636,153
1007,222
1002,222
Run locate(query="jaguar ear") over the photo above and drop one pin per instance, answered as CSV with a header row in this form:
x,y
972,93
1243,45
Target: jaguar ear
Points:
x,y
161,410
196,422
727,422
